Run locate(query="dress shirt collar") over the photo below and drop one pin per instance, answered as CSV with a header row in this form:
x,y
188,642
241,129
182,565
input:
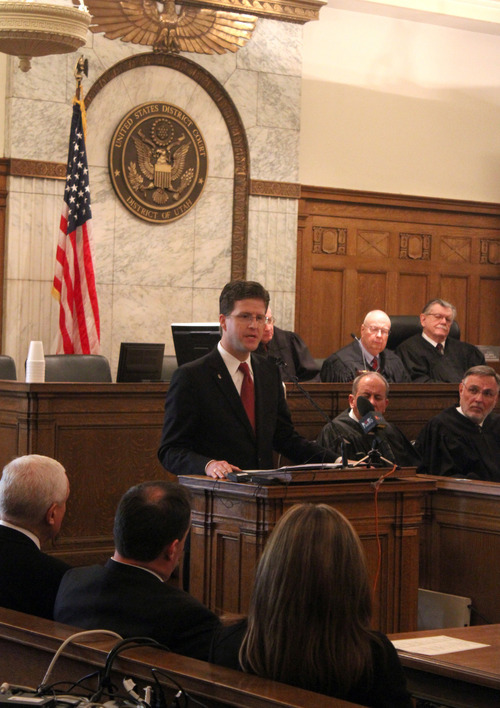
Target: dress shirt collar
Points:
x,y
27,533
431,341
367,357
232,362
352,415
459,409
132,565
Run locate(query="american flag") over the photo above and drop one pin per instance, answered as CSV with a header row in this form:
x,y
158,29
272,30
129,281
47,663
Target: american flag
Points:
x,y
74,281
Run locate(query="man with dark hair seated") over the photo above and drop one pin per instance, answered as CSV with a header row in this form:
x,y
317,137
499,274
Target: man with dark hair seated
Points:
x,y
129,594
464,441
33,494
434,356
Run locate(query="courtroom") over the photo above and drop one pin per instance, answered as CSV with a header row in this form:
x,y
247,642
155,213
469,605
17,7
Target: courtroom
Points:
x,y
250,353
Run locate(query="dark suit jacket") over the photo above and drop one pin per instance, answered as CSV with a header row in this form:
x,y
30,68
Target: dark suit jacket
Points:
x,y
205,420
133,602
29,579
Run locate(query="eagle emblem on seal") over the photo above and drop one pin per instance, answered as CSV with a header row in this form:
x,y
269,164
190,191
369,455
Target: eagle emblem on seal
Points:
x,y
199,30
161,163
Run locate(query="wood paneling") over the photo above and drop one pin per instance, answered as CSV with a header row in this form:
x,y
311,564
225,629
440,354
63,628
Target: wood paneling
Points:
x,y
232,521
394,253
461,544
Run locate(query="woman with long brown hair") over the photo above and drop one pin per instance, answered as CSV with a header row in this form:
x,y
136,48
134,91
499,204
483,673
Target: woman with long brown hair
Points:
x,y
309,618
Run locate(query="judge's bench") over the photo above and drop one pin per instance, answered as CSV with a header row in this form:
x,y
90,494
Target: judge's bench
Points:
x,y
434,532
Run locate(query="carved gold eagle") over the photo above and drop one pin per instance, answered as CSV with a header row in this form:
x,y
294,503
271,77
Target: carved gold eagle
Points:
x,y
199,30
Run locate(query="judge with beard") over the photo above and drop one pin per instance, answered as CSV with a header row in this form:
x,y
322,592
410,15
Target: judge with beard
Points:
x,y
464,441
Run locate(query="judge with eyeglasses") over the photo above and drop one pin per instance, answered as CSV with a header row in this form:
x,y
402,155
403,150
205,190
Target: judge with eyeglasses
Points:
x,y
366,353
433,356
464,440
227,410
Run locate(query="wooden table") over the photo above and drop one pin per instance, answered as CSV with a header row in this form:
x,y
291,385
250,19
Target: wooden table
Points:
x,y
231,522
465,679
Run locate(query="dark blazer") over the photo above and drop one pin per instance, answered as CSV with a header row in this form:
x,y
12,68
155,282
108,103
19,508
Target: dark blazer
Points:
x,y
29,579
205,420
133,602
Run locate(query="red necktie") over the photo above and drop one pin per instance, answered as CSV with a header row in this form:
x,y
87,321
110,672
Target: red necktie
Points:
x,y
375,363
247,393
439,348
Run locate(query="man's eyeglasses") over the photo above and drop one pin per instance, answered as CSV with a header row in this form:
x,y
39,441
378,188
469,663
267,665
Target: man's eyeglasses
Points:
x,y
247,317
448,319
486,393
374,330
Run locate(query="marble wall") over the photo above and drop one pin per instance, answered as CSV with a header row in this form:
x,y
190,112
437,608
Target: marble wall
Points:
x,y
150,275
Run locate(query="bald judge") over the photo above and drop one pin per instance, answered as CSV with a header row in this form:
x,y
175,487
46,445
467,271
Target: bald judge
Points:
x,y
368,353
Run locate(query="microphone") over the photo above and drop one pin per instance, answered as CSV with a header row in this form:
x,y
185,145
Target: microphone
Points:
x,y
362,354
370,419
294,379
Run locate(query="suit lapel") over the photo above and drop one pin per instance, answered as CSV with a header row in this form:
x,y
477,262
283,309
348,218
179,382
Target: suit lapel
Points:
x,y
223,381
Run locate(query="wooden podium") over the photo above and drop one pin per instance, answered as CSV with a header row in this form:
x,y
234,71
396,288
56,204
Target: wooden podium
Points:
x,y
231,522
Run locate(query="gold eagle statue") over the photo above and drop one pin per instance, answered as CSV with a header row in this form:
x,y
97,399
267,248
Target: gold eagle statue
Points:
x,y
199,30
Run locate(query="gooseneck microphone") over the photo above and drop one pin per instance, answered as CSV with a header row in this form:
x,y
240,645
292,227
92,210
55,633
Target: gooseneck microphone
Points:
x,y
357,339
294,379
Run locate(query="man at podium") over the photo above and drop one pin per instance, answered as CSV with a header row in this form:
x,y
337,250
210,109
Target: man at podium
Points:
x,y
227,410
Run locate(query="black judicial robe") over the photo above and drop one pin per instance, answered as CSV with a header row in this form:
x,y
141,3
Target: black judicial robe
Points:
x,y
452,445
289,348
393,445
344,365
424,364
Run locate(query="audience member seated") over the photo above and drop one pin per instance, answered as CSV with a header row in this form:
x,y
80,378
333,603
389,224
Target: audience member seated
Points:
x,y
465,441
433,356
368,353
290,352
33,494
310,612
389,442
129,594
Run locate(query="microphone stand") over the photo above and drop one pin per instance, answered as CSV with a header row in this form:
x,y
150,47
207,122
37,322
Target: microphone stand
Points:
x,y
374,456
294,379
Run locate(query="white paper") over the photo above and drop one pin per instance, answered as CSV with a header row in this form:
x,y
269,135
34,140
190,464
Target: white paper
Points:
x,y
432,646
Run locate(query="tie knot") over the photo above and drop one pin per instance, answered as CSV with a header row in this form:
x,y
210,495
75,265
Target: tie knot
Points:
x,y
439,348
244,368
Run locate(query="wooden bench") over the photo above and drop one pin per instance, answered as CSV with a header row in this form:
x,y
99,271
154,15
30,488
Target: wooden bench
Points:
x,y
28,644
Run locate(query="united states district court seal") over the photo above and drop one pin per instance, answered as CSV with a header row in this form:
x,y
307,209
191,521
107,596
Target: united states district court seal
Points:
x,y
158,162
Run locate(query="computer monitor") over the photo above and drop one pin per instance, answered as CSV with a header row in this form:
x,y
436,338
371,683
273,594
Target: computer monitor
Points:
x,y
140,362
194,339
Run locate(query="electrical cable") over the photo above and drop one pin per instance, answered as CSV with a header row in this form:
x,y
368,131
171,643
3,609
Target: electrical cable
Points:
x,y
68,640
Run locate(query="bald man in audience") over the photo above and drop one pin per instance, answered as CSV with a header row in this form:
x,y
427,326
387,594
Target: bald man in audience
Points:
x,y
33,494
368,353
389,442
464,440
433,356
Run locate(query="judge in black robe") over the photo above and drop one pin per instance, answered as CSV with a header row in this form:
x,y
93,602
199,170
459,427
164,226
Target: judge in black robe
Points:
x,y
390,442
345,364
452,445
291,355
425,365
